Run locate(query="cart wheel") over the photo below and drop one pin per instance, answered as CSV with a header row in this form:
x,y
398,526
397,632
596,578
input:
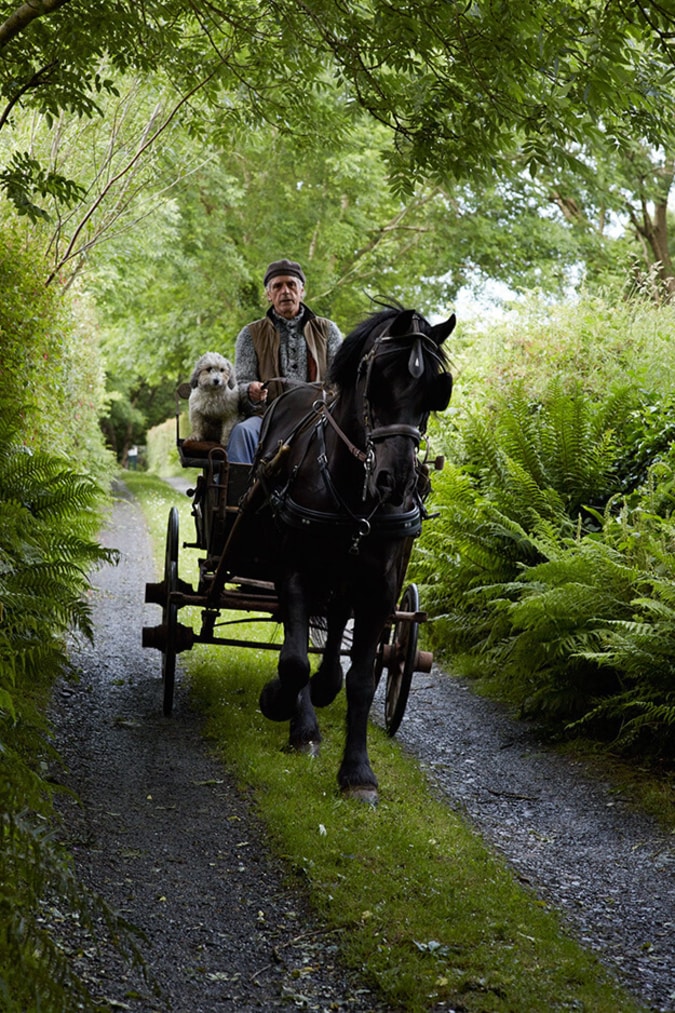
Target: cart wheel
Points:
x,y
401,667
170,611
318,631
378,666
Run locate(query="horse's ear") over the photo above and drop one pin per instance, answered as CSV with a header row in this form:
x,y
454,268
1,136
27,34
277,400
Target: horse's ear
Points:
x,y
439,393
403,324
442,331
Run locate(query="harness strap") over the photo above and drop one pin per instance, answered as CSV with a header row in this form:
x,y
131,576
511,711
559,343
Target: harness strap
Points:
x,y
264,465
403,525
362,524
382,432
360,455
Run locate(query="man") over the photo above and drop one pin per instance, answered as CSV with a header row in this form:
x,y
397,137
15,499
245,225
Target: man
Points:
x,y
290,341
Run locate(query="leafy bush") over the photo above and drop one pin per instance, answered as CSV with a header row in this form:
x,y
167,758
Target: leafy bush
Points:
x,y
162,454
550,573
51,380
48,515
601,344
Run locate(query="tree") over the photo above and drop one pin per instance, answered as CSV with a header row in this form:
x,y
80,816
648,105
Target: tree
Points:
x,y
134,407
618,211
466,87
67,56
188,280
647,208
53,60
502,121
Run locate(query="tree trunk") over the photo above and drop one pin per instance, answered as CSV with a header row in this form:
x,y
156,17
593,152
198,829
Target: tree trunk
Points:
x,y
653,228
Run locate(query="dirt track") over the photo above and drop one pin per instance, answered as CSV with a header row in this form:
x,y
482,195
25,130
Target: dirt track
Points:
x,y
167,839
165,836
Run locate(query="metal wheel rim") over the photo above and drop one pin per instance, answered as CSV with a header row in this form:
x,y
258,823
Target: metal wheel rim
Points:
x,y
399,673
170,612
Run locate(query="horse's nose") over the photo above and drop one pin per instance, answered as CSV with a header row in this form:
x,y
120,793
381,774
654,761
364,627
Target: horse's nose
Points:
x,y
388,490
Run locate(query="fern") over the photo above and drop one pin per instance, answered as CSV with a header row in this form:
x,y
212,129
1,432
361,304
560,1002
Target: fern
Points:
x,y
550,571
564,443
643,726
556,613
470,544
642,714
48,514
37,879
579,453
523,499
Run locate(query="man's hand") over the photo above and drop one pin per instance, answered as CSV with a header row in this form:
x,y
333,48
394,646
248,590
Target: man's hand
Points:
x,y
257,391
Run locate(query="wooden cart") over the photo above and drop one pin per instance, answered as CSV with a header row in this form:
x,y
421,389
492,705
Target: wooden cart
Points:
x,y
235,584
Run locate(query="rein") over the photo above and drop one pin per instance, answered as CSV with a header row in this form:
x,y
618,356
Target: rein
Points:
x,y
321,408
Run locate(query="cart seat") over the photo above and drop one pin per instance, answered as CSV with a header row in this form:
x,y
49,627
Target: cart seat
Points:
x,y
195,453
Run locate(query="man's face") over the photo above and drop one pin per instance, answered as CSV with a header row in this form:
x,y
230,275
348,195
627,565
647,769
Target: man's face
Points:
x,y
285,292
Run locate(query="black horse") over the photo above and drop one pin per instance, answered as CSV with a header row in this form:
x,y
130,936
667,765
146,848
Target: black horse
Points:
x,y
337,470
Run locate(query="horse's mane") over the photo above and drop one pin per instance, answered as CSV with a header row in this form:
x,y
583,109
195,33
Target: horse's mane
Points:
x,y
345,365
350,352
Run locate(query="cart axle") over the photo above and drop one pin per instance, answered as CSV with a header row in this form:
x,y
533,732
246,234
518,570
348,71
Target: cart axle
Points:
x,y
157,593
158,637
422,661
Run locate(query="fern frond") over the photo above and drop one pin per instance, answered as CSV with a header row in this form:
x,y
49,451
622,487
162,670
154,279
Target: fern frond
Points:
x,y
641,724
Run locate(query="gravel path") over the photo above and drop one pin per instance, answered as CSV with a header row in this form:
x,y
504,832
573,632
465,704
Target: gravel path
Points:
x,y
165,836
608,869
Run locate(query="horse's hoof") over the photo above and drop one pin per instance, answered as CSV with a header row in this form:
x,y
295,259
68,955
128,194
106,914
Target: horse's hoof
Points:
x,y
362,793
323,692
275,704
311,749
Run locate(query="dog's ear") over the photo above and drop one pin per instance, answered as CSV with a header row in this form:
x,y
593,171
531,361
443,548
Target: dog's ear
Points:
x,y
194,379
231,380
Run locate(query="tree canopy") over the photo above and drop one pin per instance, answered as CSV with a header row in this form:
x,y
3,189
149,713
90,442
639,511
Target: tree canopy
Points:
x,y
397,148
466,86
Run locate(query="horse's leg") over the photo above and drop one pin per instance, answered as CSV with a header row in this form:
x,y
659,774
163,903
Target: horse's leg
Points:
x,y
279,697
355,776
327,682
304,735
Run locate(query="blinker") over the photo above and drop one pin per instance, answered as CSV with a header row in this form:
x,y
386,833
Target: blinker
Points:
x,y
416,362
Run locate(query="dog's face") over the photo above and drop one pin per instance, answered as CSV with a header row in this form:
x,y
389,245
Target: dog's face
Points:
x,y
211,371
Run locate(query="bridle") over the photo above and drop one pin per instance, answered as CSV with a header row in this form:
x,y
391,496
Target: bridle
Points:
x,y
384,344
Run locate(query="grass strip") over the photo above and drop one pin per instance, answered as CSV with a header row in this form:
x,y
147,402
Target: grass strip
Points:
x,y
420,905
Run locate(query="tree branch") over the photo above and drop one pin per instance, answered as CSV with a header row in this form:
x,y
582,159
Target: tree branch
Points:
x,y
71,251
379,235
22,17
39,78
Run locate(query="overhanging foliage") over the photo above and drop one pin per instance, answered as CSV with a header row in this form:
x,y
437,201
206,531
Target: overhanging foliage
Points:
x,y
467,88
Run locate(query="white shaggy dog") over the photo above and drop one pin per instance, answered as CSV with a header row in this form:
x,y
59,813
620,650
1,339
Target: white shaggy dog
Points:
x,y
214,399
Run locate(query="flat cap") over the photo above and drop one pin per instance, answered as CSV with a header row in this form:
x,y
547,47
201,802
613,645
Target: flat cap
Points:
x,y
283,267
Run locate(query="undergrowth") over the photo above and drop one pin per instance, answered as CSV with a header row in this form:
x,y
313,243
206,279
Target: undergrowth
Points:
x,y
549,573
49,515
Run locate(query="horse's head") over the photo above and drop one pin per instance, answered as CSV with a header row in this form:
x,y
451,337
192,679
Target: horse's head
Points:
x,y
392,371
